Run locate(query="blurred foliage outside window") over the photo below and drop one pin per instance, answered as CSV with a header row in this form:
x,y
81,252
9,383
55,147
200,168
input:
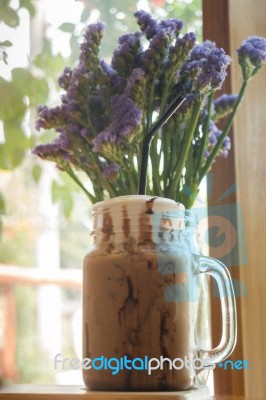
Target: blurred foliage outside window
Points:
x,y
22,88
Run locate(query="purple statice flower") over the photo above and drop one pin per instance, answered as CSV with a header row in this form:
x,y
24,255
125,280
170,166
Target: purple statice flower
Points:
x,y
69,109
252,55
64,78
73,128
63,140
126,122
191,68
54,151
223,105
78,81
49,117
254,48
203,68
116,81
90,46
85,132
213,70
148,25
135,88
198,53
125,55
111,172
201,51
226,146
152,58
173,25
179,52
214,134
182,47
93,34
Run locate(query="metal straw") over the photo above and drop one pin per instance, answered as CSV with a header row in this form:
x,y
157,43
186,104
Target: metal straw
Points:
x,y
176,103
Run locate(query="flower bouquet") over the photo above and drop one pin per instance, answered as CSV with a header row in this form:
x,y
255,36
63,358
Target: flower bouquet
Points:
x,y
107,109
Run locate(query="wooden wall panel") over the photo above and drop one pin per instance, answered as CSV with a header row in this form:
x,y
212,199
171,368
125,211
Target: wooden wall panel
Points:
x,y
229,22
248,18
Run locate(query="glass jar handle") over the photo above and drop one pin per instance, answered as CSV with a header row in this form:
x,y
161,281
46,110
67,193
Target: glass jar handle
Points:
x,y
221,274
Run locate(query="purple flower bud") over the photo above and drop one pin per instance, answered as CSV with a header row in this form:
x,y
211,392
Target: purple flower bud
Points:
x,y
117,82
64,78
214,134
201,51
63,141
253,49
157,51
223,105
126,121
49,117
85,132
135,88
147,24
73,128
173,25
92,36
213,70
111,172
90,46
124,56
51,151
225,147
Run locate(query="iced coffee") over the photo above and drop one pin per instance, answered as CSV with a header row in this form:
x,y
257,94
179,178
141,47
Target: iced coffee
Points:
x,y
137,303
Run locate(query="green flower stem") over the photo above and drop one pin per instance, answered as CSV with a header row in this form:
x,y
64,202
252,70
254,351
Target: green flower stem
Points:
x,y
155,160
103,181
107,186
174,149
186,143
225,132
165,135
165,94
204,137
151,101
70,172
129,170
133,170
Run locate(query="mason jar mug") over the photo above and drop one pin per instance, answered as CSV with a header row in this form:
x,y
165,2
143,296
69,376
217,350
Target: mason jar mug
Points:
x,y
146,320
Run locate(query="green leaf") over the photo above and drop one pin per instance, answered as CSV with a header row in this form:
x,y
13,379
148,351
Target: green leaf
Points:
x,y
13,151
36,172
50,63
22,79
28,5
36,89
69,183
61,195
10,158
2,205
12,106
74,46
6,43
85,14
39,92
9,16
67,27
